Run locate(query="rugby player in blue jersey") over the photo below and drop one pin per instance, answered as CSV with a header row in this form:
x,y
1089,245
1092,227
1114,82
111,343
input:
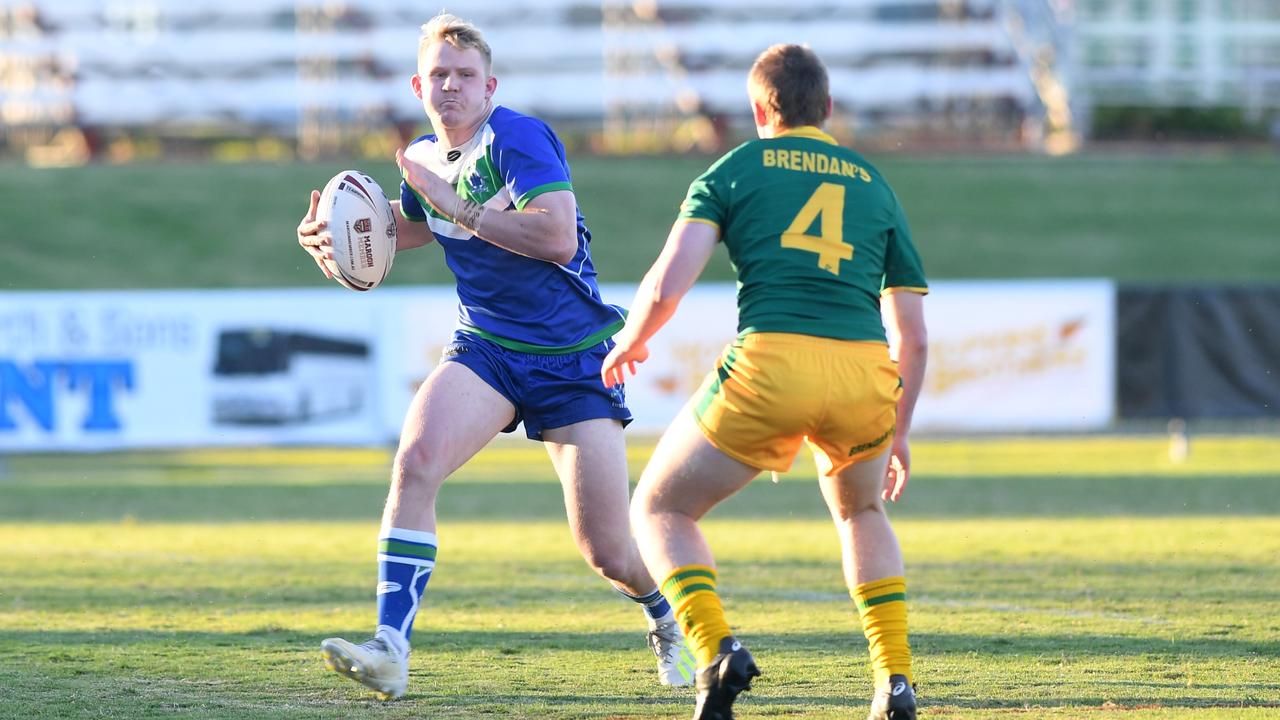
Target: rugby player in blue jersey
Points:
x,y
492,187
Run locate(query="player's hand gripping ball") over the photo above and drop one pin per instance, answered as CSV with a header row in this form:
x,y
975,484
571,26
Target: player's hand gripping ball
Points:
x,y
363,227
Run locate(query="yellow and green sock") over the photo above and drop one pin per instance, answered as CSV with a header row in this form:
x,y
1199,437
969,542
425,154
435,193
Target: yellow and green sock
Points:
x,y
691,590
882,606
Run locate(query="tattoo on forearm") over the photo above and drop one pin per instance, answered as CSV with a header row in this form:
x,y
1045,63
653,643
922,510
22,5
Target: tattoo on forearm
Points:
x,y
467,214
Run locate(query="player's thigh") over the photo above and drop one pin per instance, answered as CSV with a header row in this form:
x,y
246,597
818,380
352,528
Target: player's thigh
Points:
x,y
453,415
687,474
855,487
759,401
590,458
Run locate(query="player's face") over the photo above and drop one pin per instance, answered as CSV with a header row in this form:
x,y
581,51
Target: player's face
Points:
x,y
453,85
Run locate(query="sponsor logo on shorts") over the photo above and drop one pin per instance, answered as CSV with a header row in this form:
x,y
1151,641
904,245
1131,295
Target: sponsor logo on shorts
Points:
x,y
388,586
618,396
867,446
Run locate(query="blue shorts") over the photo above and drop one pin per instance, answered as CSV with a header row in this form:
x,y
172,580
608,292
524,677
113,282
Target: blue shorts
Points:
x,y
548,391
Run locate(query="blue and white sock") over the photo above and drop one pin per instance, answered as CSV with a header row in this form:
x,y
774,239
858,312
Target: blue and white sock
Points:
x,y
655,605
405,561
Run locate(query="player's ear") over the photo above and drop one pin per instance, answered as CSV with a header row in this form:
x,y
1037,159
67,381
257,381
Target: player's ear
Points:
x,y
758,114
490,85
416,83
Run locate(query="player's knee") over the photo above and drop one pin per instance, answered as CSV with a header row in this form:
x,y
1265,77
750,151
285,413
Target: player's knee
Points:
x,y
415,465
610,564
859,507
642,511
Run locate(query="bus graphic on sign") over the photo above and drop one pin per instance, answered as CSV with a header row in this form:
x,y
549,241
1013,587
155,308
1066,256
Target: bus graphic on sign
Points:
x,y
264,376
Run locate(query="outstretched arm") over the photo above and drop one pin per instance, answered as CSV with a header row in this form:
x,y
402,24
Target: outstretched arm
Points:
x,y
688,248
909,346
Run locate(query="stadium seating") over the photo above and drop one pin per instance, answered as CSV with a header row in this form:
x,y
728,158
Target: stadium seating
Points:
x,y
268,63
964,70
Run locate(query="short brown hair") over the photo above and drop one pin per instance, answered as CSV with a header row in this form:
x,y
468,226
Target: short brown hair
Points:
x,y
459,33
791,83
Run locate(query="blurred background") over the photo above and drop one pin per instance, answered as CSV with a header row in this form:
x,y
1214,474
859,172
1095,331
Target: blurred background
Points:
x,y
119,80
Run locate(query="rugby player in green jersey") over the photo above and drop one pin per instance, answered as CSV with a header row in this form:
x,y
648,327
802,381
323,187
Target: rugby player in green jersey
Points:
x,y
821,247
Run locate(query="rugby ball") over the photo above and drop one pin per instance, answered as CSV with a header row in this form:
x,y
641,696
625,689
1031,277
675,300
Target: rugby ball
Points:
x,y
363,229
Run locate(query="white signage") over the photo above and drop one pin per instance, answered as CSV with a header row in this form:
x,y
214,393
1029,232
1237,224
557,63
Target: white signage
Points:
x,y
1019,355
681,354
99,370
102,370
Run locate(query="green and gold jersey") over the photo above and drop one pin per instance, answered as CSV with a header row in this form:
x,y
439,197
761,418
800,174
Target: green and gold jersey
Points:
x,y
814,233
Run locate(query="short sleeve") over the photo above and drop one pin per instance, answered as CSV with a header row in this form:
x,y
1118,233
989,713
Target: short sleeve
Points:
x,y
707,200
410,206
903,270
530,160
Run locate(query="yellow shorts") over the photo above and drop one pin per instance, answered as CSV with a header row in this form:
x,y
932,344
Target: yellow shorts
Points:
x,y
769,391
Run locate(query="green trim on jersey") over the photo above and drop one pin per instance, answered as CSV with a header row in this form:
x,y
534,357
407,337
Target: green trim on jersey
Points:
x,y
484,167
489,167
814,233
594,338
541,189
492,186
427,208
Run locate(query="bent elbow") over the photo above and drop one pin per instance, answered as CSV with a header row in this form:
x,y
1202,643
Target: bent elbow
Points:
x,y
915,342
565,250
561,257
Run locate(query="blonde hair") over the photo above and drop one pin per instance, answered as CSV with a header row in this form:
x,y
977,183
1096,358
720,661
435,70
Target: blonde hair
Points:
x,y
791,83
447,27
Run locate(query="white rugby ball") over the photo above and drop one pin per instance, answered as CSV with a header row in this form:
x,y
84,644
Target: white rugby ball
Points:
x,y
363,229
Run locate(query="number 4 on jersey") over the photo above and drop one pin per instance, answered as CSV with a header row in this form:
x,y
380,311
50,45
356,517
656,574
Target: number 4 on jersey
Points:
x,y
826,202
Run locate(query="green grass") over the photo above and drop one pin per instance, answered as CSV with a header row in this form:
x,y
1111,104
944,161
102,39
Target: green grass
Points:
x,y
1137,218
1058,578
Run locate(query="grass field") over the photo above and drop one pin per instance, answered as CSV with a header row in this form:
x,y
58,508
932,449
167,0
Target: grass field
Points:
x,y
1143,218
1059,578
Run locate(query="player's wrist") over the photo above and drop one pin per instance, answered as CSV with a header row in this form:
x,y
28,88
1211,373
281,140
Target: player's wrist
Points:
x,y
468,214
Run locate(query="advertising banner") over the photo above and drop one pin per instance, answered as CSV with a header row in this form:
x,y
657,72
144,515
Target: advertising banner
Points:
x,y
104,370
99,370
1019,355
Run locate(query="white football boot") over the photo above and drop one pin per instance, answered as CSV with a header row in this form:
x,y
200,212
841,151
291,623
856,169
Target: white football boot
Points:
x,y
676,664
373,663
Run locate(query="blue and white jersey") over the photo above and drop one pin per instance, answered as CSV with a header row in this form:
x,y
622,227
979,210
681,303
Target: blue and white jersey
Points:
x,y
518,302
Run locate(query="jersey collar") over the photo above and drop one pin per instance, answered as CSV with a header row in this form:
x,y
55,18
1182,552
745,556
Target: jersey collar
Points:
x,y
807,131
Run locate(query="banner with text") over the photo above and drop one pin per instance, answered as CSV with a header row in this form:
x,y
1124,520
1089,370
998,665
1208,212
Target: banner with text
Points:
x,y
1019,355
104,370
101,370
